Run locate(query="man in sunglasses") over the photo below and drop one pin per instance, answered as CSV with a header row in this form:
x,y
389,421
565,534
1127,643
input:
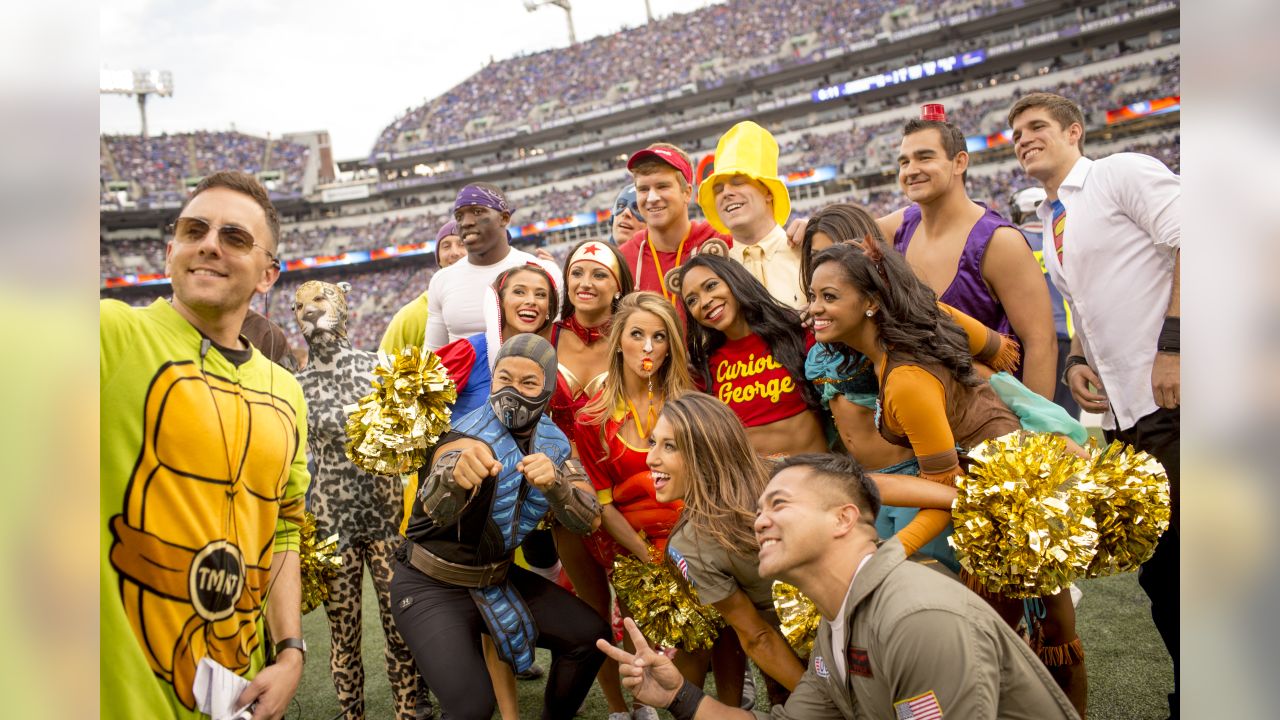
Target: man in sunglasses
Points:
x,y
203,475
627,219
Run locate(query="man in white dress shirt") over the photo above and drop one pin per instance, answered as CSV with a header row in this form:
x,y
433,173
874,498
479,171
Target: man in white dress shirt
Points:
x,y
1112,247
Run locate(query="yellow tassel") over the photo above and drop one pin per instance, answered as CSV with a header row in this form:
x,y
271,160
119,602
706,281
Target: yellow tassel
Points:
x,y
664,612
798,616
318,563
972,582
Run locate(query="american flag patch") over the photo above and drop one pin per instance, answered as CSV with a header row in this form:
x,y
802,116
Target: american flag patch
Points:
x,y
680,563
820,667
922,707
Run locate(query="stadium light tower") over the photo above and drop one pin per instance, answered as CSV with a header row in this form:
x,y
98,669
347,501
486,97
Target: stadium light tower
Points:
x,y
136,82
648,13
533,5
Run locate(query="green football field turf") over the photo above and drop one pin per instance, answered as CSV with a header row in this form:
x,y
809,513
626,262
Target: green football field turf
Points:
x,y
1129,672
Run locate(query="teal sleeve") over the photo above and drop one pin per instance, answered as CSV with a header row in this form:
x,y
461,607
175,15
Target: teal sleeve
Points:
x,y
1036,413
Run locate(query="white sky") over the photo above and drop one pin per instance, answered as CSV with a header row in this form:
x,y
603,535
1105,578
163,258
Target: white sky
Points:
x,y
347,67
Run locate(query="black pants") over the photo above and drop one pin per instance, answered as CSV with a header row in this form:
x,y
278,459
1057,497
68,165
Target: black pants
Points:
x,y
1061,393
442,626
1158,434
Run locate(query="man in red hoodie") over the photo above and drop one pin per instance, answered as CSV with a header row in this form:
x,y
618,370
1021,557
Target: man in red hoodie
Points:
x,y
664,188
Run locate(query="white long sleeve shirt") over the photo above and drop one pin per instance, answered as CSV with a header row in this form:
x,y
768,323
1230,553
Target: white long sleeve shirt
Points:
x,y
456,295
1119,249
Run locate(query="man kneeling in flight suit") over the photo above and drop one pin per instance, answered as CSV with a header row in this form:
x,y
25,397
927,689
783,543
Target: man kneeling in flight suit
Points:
x,y
491,480
897,640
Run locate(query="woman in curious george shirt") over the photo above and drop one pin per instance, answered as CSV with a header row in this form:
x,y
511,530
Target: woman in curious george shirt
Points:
x,y
748,350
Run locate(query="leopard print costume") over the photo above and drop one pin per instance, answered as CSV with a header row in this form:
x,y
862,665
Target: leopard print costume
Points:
x,y
363,509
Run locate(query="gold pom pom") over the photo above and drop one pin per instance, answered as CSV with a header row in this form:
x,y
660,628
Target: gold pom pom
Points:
x,y
1031,516
1023,517
798,615
661,608
318,561
1130,506
390,430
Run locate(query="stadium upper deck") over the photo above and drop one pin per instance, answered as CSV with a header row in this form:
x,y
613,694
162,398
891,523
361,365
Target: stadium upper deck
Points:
x,y
1104,54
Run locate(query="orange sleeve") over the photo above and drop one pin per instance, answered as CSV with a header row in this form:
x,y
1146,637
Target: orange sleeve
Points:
x,y
916,406
987,346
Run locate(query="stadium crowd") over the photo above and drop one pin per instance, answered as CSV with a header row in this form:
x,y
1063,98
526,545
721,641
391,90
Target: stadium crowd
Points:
x,y
732,34
1096,92
159,164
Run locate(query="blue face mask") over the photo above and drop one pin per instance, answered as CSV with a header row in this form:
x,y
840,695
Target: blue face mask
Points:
x,y
627,201
517,411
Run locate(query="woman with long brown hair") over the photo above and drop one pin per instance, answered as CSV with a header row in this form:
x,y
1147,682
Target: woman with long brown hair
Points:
x,y
748,350
930,400
848,386
701,455
595,281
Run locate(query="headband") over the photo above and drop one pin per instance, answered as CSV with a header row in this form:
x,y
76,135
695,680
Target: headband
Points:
x,y
598,252
481,196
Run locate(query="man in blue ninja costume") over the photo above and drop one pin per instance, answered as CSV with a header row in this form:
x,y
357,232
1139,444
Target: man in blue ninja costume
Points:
x,y
492,478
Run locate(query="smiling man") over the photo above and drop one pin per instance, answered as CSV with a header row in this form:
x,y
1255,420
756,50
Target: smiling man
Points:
x,y
745,198
664,188
897,639
975,260
1116,232
203,473
455,295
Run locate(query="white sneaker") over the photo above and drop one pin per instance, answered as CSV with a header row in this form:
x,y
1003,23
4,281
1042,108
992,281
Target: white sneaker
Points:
x,y
644,712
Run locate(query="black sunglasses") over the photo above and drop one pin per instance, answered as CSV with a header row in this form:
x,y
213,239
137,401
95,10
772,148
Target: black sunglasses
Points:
x,y
231,238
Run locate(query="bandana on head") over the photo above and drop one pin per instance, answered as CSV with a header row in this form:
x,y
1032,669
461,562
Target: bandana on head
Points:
x,y
482,196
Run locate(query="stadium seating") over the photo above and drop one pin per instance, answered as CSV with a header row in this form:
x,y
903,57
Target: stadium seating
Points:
x,y
740,38
156,166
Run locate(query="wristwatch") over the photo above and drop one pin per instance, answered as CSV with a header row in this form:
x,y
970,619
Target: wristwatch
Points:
x,y
293,643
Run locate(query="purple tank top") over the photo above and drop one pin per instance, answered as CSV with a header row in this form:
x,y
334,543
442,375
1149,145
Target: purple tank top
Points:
x,y
968,292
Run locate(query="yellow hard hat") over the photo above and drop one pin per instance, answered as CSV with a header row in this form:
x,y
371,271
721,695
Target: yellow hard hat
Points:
x,y
750,150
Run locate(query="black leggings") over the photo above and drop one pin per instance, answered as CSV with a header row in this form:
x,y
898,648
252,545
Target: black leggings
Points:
x,y
442,626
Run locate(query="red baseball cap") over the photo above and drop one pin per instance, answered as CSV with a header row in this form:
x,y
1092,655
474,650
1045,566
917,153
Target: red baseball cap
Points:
x,y
666,155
